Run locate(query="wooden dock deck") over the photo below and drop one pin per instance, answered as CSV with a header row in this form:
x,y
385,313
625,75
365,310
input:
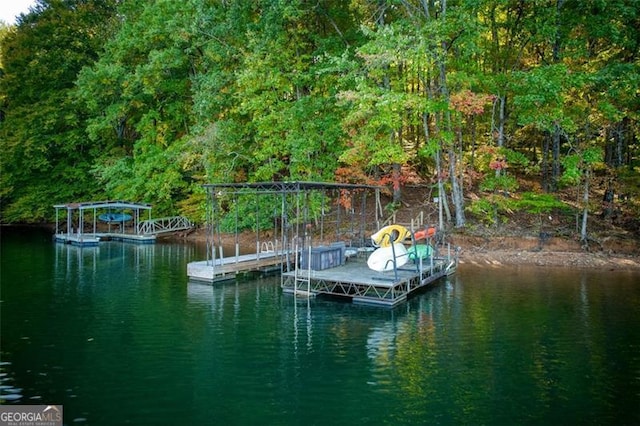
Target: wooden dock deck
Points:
x,y
224,269
354,280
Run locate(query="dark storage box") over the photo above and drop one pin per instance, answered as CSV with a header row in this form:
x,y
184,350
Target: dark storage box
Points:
x,y
322,257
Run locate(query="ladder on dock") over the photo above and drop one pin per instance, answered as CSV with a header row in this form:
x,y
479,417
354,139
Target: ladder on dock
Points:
x,y
164,225
302,278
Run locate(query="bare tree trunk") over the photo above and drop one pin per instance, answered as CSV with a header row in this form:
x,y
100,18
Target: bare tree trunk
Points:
x,y
585,209
501,120
395,173
555,159
395,177
557,47
443,206
456,190
545,164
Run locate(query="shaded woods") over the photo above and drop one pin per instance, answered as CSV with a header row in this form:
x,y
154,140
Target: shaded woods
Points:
x,y
496,107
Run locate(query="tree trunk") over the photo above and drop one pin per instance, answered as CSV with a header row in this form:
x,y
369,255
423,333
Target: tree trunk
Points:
x,y
555,160
545,164
443,206
501,120
397,193
456,190
585,210
386,84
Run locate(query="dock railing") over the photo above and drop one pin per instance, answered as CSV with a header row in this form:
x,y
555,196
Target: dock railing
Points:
x,y
164,225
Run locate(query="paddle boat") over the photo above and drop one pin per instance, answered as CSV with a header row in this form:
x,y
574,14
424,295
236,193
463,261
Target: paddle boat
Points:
x,y
115,217
392,253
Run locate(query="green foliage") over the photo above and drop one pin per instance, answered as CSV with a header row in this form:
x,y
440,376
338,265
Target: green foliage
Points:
x,y
572,169
391,208
502,182
147,100
491,209
536,203
576,164
539,96
494,208
46,155
248,212
515,158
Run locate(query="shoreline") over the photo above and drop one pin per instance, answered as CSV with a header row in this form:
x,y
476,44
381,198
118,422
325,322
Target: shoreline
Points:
x,y
494,251
558,259
613,254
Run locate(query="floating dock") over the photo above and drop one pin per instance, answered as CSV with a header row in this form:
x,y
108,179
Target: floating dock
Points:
x,y
356,281
88,240
310,259
348,278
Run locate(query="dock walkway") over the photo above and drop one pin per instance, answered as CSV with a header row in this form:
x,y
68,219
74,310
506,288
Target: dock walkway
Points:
x,y
224,269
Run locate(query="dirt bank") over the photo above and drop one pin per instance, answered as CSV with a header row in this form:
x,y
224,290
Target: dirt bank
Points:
x,y
554,252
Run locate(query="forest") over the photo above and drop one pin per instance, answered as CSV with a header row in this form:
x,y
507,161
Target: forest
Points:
x,y
498,106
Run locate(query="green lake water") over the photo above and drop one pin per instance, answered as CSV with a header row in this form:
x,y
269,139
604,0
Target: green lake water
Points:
x,y
117,335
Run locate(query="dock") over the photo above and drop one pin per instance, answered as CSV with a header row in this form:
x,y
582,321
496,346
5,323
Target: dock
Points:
x,y
321,239
89,223
348,278
355,281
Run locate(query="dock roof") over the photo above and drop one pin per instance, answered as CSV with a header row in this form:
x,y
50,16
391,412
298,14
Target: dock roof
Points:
x,y
287,186
119,204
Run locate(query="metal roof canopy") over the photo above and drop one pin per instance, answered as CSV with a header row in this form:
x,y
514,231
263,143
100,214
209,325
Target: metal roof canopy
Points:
x,y
104,205
290,230
286,186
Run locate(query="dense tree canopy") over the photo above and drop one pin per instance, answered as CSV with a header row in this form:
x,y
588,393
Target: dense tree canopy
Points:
x,y
147,100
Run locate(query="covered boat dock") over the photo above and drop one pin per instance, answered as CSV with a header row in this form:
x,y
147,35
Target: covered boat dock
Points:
x,y
287,218
83,225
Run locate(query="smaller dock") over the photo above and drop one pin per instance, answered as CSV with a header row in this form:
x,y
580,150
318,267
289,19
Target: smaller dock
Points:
x,y
89,223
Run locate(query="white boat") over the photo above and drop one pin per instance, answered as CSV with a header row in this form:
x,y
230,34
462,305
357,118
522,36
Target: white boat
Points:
x,y
387,258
